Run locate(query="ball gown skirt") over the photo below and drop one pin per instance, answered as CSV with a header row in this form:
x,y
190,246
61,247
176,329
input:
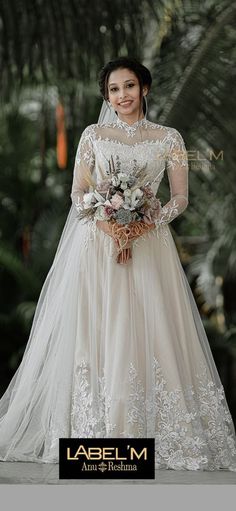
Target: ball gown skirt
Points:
x,y
118,351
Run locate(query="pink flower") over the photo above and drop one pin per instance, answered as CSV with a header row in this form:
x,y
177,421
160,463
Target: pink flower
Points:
x,y
116,201
148,191
108,210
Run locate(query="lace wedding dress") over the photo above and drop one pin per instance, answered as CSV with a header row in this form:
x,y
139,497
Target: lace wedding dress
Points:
x,y
119,350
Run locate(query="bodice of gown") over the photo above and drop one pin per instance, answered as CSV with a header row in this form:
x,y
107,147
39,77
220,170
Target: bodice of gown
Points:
x,y
143,144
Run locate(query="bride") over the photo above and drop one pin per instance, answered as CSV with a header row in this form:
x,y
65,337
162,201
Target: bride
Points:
x,y
117,347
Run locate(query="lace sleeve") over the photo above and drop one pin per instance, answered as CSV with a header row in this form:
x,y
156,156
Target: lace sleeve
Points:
x,y
177,171
84,164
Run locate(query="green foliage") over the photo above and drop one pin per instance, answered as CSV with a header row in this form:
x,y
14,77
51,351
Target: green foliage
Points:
x,y
34,201
193,75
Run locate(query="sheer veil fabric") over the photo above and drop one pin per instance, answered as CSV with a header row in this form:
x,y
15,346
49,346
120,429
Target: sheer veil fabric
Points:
x,y
120,350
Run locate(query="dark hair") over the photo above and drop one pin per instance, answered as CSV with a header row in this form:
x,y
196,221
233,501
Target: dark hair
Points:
x,y
142,73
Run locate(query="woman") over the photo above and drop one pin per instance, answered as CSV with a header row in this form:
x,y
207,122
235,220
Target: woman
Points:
x,y
117,347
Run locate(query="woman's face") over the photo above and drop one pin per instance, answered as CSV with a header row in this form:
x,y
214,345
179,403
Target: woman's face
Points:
x,y
124,92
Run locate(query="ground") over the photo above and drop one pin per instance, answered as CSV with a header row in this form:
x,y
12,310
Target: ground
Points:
x,y
46,473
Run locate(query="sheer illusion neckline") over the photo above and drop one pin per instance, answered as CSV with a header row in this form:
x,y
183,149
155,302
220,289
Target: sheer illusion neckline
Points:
x,y
131,127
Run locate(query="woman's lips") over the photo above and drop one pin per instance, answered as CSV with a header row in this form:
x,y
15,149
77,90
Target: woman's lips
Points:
x,y
125,103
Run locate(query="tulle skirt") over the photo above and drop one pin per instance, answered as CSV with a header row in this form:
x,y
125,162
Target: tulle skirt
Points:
x,y
118,351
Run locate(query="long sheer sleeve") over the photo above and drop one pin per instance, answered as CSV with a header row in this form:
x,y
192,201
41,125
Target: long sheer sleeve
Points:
x,y
83,167
177,171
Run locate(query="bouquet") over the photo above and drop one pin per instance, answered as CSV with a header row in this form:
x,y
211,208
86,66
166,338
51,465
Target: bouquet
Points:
x,y
125,200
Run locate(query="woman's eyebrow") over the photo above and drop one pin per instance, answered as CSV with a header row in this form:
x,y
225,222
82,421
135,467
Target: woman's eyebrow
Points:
x,y
131,80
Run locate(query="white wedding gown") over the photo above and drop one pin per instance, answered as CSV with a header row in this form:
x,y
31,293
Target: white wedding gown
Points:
x,y
120,350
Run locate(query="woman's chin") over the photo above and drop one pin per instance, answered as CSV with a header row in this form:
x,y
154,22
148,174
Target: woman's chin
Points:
x,y
127,111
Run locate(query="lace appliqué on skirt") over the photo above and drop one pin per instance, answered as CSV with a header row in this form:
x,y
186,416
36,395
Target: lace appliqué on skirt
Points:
x,y
192,427
90,412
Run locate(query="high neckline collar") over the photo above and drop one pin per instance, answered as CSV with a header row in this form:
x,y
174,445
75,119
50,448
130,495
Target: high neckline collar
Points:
x,y
135,124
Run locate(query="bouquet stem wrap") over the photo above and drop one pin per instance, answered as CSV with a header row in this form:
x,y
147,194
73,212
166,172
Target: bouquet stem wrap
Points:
x,y
126,233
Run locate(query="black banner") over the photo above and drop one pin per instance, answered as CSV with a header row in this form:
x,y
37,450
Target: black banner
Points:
x,y
106,458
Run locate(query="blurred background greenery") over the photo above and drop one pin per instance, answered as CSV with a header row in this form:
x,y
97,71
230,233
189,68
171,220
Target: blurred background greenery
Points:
x,y
50,55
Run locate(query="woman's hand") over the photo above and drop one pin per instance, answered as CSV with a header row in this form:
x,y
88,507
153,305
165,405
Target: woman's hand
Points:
x,y
141,229
123,242
104,226
124,254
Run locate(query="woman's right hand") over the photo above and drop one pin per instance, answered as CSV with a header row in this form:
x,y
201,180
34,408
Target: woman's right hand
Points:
x,y
125,254
104,226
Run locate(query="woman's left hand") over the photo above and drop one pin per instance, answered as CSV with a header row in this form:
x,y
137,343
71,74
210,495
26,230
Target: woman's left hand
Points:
x,y
146,228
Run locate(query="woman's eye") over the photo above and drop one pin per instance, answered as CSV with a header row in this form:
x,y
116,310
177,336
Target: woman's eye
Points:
x,y
114,89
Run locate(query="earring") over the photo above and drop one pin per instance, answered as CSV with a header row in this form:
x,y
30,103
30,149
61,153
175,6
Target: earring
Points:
x,y
146,105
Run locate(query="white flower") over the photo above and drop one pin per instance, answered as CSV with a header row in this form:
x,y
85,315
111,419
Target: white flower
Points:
x,y
115,181
99,199
100,213
98,196
123,177
127,200
136,195
126,204
88,198
127,192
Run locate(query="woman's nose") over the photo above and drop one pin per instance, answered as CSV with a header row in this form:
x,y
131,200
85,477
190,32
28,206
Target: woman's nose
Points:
x,y
122,93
